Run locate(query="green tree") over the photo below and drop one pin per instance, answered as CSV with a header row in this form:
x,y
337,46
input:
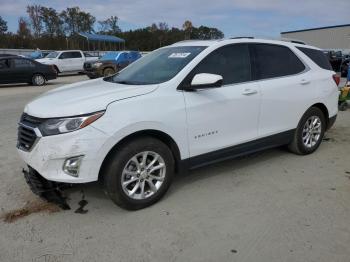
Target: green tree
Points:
x,y
76,20
207,33
187,27
109,26
3,26
53,25
34,13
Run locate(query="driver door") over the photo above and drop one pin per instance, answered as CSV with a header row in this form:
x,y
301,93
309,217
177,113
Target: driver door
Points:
x,y
219,118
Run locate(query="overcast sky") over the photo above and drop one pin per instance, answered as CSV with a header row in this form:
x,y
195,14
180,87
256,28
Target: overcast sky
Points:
x,y
233,17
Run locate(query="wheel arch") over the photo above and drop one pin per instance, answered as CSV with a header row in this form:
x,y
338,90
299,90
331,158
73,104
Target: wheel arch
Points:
x,y
160,135
39,73
108,67
324,110
58,70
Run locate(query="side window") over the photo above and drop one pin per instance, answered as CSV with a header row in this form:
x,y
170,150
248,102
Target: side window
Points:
x,y
65,55
69,55
22,63
275,61
319,57
76,55
232,62
4,64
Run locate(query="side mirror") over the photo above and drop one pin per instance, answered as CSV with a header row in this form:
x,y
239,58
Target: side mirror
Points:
x,y
205,80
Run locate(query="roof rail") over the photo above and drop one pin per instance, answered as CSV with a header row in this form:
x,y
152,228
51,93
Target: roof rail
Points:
x,y
295,41
195,40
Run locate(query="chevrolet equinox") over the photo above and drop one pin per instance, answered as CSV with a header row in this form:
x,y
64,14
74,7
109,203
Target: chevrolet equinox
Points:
x,y
178,108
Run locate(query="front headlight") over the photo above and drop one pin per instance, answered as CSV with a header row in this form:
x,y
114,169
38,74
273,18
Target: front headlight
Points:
x,y
98,64
57,126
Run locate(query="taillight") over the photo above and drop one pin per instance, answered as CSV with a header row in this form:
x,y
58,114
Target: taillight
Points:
x,y
336,79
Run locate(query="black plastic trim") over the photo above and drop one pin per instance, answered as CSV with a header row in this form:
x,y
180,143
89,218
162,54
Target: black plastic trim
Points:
x,y
276,140
45,189
331,122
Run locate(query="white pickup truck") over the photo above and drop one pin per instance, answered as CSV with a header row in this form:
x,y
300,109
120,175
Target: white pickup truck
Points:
x,y
67,61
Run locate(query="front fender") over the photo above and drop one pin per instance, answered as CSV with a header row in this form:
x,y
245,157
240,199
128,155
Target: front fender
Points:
x,y
132,129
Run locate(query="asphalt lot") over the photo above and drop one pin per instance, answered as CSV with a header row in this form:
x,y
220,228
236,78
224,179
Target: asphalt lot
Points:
x,y
270,206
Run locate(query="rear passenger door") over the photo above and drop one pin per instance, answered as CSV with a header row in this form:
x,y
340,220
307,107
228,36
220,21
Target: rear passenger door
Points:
x,y
21,70
71,61
219,118
285,88
77,61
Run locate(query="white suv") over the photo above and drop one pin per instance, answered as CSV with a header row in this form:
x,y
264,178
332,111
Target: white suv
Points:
x,y
180,107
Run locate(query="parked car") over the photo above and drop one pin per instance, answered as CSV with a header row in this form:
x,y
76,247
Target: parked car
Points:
x,y
14,69
67,61
344,67
110,63
180,107
6,55
335,58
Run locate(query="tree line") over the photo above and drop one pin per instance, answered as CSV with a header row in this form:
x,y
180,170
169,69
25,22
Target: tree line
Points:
x,y
48,29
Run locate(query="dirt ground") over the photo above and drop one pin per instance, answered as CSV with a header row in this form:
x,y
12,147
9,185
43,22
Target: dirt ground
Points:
x,y
270,206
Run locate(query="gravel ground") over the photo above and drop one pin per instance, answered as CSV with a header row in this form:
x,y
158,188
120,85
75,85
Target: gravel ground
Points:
x,y
270,206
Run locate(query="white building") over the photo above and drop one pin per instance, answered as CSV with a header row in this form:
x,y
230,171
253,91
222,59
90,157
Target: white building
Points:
x,y
329,38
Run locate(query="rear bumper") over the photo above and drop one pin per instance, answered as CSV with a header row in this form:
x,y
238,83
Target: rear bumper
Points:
x,y
331,122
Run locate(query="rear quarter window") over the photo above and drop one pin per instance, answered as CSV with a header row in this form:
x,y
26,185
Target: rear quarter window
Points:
x,y
273,61
318,57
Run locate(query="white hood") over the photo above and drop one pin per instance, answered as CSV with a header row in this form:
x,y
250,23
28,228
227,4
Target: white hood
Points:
x,y
83,98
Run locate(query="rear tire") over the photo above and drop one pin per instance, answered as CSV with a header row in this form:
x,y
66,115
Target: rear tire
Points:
x,y
309,133
131,180
38,80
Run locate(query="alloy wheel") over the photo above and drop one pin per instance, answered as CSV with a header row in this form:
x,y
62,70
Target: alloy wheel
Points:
x,y
39,80
312,131
143,175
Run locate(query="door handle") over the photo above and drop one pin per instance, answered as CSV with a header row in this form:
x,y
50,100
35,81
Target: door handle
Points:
x,y
248,92
305,82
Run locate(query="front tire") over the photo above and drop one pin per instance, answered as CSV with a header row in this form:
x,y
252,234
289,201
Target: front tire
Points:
x,y
139,173
309,133
108,72
38,80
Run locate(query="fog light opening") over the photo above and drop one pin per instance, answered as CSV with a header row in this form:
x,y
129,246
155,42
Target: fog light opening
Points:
x,y
71,165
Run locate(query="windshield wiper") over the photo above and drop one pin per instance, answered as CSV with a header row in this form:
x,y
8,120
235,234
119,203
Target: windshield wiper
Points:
x,y
124,82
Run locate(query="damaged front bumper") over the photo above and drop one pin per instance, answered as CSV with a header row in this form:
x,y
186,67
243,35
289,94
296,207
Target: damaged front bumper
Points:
x,y
45,189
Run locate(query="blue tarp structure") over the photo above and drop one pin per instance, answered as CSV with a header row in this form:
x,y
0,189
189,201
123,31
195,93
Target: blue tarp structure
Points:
x,y
102,42
102,38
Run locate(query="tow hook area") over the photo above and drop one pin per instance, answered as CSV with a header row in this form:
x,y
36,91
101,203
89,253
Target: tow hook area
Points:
x,y
45,189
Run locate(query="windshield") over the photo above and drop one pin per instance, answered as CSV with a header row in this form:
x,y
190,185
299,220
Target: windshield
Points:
x,y
35,54
157,67
109,56
52,55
